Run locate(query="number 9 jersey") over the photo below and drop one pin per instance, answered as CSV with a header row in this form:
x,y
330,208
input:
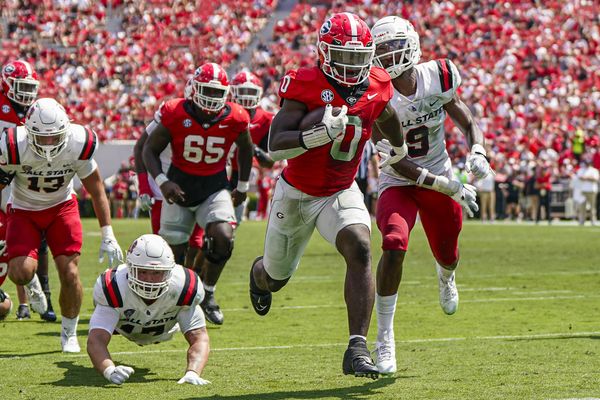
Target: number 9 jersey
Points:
x,y
39,184
325,170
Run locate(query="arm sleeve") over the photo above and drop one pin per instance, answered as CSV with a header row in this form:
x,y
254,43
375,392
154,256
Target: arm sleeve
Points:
x,y
190,318
104,317
85,168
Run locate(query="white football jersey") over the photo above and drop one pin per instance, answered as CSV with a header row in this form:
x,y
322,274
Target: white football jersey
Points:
x,y
178,308
165,162
39,184
422,116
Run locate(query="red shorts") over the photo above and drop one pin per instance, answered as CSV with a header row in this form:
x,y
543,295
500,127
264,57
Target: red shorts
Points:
x,y
197,238
61,223
3,272
441,217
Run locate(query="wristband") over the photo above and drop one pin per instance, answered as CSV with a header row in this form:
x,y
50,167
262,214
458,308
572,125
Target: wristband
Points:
x,y
107,231
161,179
421,178
478,149
242,186
401,151
108,372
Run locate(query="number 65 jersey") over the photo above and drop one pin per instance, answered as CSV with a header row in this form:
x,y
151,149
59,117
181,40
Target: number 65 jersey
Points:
x,y
422,116
39,184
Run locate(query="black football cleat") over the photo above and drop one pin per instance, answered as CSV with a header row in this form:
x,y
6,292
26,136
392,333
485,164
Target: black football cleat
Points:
x,y
211,309
357,360
260,299
23,312
49,315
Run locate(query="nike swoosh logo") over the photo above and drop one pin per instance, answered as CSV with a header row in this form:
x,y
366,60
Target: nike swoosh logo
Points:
x,y
370,96
252,126
260,307
431,104
223,126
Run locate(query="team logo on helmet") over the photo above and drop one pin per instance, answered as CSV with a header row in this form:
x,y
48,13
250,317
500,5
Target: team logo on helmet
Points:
x,y
327,96
5,109
326,27
187,122
9,69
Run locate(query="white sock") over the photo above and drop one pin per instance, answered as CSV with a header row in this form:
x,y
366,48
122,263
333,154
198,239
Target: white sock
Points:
x,y
446,273
385,307
357,336
69,325
209,288
35,283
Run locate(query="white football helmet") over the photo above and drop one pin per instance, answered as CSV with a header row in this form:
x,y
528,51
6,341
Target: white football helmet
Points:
x,y
151,258
397,47
48,128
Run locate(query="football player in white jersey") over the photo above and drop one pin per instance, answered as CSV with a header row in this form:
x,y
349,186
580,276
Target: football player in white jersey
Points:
x,y
147,300
423,95
39,161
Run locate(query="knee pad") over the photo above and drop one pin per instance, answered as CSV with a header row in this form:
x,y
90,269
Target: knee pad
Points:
x,y
214,255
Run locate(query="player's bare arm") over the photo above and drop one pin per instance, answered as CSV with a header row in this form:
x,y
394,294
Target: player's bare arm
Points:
x,y
97,348
156,143
463,119
197,354
263,158
93,184
244,159
284,136
138,149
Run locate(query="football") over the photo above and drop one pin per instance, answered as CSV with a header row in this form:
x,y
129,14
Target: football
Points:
x,y
315,116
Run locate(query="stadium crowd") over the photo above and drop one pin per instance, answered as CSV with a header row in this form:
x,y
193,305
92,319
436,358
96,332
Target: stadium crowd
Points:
x,y
530,69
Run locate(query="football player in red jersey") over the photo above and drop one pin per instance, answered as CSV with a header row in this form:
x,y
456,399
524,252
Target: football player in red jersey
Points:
x,y
424,93
201,132
317,188
246,90
19,90
39,161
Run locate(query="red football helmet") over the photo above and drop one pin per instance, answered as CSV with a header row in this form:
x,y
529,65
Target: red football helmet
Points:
x,y
346,48
246,89
20,82
209,87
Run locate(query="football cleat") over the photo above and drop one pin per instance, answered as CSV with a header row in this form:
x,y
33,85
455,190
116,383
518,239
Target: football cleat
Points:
x,y
448,292
37,298
49,315
385,356
23,312
260,299
69,344
211,309
357,360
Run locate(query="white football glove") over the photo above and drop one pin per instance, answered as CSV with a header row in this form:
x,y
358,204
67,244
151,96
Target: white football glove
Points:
x,y
118,374
110,247
336,125
466,196
146,202
477,164
2,247
193,378
390,154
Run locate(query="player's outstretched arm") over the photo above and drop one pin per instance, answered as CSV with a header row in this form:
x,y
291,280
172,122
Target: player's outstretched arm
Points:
x,y
109,245
197,356
142,175
244,159
462,117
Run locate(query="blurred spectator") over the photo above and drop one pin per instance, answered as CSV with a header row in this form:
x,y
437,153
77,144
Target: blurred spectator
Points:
x,y
487,197
588,177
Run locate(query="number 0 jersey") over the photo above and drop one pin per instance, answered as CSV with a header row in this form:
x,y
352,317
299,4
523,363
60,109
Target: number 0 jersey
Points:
x,y
327,169
422,118
39,184
148,323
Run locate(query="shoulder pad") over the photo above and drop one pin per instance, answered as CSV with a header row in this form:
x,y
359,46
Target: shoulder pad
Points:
x,y
239,113
380,74
110,287
167,110
190,288
448,75
306,74
90,142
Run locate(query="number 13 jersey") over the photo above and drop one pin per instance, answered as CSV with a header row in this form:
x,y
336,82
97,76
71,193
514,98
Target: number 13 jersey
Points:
x,y
39,184
422,116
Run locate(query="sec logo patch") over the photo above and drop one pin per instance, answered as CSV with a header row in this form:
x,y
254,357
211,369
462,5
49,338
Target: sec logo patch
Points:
x,y
327,96
5,109
187,122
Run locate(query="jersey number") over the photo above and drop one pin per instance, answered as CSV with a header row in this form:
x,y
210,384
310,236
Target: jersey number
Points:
x,y
417,141
154,330
49,184
193,149
351,138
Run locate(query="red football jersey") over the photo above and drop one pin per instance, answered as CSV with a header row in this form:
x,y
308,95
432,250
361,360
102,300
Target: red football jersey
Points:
x,y
8,116
201,149
259,129
4,258
327,169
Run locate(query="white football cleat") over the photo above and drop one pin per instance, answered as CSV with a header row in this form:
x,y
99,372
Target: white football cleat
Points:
x,y
69,344
385,356
37,299
448,292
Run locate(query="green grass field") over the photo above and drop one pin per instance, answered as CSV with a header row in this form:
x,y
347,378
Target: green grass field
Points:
x,y
527,327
